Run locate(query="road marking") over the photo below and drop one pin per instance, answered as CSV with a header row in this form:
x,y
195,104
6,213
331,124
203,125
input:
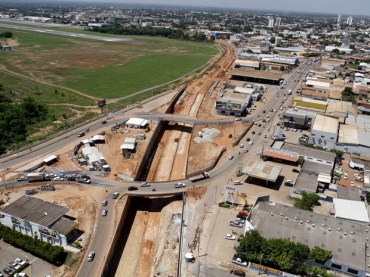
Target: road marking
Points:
x,y
34,259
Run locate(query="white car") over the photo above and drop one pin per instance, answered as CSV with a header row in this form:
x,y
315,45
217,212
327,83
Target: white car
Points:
x,y
241,145
230,237
19,261
289,183
180,185
232,157
238,119
58,179
104,212
250,143
145,184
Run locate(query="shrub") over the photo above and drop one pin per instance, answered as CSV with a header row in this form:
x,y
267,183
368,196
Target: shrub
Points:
x,y
41,249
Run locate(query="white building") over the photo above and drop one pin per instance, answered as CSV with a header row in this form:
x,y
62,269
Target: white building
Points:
x,y
330,48
271,23
324,131
339,18
349,20
32,216
278,21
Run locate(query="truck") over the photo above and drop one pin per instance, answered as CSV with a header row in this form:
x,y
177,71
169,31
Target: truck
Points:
x,y
201,176
36,177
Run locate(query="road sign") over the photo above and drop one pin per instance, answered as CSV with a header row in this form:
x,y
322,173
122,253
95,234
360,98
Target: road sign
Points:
x,y
230,188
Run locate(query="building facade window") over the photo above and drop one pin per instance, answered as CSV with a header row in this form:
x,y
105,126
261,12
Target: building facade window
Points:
x,y
336,266
352,271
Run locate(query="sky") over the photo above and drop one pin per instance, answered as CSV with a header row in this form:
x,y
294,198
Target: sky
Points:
x,y
346,7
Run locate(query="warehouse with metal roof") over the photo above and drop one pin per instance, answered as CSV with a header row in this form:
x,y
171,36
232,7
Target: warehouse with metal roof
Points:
x,y
345,239
262,170
255,76
31,216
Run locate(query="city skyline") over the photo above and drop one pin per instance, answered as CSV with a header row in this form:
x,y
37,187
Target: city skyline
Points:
x,y
362,7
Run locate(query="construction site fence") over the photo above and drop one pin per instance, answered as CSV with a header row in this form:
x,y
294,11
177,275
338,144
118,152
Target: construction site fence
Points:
x,y
180,259
209,167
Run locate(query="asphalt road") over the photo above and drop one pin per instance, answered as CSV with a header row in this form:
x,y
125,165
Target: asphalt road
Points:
x,y
104,225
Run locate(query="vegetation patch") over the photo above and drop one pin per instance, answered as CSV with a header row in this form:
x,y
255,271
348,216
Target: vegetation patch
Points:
x,y
41,249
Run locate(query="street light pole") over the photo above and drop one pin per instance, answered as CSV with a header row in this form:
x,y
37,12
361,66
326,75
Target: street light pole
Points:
x,y
260,265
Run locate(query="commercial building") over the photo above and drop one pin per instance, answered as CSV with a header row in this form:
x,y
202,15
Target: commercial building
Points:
x,y
278,62
247,63
255,76
349,20
278,21
32,216
324,131
253,92
330,48
354,135
261,170
271,23
345,239
310,154
308,103
234,104
298,119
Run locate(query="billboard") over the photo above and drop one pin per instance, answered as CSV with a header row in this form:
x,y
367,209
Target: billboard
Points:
x,y
101,103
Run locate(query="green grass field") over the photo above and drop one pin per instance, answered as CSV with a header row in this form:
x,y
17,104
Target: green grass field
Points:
x,y
103,69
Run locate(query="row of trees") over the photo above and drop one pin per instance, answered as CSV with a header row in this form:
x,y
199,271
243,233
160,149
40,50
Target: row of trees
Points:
x,y
148,31
15,117
6,34
281,253
41,249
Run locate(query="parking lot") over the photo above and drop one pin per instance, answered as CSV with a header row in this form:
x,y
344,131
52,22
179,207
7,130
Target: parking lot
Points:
x,y
37,266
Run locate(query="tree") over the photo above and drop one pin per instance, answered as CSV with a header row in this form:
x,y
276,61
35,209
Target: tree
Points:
x,y
335,51
320,255
307,202
272,40
250,51
282,68
250,247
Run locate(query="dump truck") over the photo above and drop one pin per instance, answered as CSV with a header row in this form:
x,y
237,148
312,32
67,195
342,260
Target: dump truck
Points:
x,y
201,176
36,177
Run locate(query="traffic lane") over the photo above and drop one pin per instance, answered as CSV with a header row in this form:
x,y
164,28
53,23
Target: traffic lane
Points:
x,y
101,240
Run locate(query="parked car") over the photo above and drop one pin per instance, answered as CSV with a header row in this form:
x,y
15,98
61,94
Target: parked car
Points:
x,y
7,271
104,122
58,179
115,195
250,143
248,139
253,132
238,119
241,145
19,261
14,265
295,170
104,212
239,272
289,183
104,203
230,237
231,157
145,184
245,150
132,188
21,274
90,256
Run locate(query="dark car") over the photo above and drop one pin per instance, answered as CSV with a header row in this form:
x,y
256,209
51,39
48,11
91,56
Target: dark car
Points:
x,y
7,270
81,134
248,139
239,272
104,122
295,170
264,111
253,132
132,188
